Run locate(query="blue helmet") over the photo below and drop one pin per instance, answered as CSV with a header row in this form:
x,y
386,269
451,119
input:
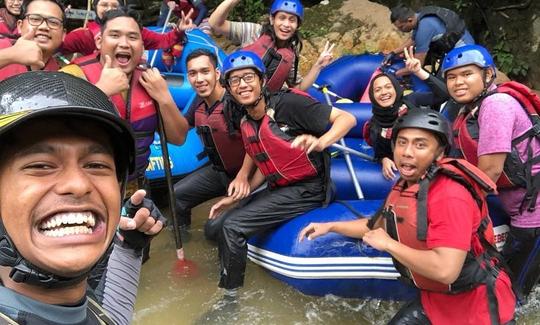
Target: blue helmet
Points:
x,y
466,55
241,60
294,7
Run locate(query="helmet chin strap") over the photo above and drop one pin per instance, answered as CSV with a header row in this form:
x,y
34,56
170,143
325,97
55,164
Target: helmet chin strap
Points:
x,y
258,100
485,91
23,271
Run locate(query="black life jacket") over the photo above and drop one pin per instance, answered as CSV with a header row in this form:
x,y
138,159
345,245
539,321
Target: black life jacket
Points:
x,y
515,172
225,149
455,28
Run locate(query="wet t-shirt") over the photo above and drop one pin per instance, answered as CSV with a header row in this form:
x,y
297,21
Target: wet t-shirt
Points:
x,y
500,120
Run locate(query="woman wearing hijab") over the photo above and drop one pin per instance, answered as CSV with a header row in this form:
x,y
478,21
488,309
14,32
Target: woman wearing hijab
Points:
x,y
388,103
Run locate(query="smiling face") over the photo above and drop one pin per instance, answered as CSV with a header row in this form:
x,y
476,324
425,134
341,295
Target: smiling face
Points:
x,y
285,25
106,5
13,6
48,39
384,92
245,93
414,151
466,83
121,40
203,76
59,194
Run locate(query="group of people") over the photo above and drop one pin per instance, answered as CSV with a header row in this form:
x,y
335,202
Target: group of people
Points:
x,y
87,131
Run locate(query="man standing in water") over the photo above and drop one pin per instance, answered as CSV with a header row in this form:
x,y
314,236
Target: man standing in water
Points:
x,y
217,120
285,134
442,243
65,156
494,132
136,93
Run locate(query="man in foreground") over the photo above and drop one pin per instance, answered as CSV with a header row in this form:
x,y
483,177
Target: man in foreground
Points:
x,y
65,156
436,226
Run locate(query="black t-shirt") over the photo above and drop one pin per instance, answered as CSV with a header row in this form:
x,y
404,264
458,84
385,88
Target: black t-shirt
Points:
x,y
300,113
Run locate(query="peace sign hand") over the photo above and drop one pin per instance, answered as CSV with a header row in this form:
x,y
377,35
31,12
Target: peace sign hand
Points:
x,y
186,23
326,55
412,64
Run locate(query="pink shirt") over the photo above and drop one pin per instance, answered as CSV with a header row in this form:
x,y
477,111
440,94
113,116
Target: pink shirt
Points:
x,y
502,119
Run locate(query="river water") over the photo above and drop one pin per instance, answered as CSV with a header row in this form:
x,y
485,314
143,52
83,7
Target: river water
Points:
x,y
167,296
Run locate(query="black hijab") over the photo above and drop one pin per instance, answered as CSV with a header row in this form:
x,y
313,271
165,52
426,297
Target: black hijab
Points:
x,y
385,116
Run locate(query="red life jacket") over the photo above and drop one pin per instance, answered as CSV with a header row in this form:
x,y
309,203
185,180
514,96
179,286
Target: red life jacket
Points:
x,y
515,172
8,24
15,69
278,62
270,149
138,109
406,221
225,149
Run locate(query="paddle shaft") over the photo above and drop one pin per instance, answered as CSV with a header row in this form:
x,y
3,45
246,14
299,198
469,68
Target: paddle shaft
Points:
x,y
162,31
348,160
168,178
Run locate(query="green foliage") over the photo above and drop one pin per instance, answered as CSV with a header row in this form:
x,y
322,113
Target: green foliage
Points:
x,y
461,5
506,61
247,10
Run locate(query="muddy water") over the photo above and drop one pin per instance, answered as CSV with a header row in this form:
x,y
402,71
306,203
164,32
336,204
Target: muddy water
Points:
x,y
167,296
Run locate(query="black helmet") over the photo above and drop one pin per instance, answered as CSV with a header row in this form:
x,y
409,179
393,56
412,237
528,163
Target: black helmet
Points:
x,y
39,94
43,93
425,119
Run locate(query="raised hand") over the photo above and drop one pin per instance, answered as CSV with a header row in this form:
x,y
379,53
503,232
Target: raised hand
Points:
x,y
411,63
326,55
32,53
112,80
186,23
142,220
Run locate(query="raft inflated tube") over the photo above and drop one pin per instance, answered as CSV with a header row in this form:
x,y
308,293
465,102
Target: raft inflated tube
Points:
x,y
184,159
332,264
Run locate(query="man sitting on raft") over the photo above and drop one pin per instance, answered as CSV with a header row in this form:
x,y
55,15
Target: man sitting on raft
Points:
x,y
285,135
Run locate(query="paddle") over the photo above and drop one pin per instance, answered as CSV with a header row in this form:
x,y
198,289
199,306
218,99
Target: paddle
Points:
x,y
183,267
162,31
346,154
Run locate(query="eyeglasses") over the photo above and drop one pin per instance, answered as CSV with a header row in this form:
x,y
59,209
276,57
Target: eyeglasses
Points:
x,y
37,20
235,81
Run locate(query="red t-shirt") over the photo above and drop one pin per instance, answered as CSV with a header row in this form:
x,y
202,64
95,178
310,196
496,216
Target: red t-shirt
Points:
x,y
453,217
82,40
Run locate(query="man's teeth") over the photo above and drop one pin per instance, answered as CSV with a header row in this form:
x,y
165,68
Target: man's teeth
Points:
x,y
84,219
60,232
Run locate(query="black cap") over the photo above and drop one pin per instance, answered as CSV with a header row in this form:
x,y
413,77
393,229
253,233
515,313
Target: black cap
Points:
x,y
425,119
37,94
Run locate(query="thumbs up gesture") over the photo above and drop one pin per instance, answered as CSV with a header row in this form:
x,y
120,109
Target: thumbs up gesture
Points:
x,y
27,52
112,80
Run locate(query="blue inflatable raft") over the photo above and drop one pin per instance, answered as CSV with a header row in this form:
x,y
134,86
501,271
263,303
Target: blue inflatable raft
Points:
x,y
335,264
